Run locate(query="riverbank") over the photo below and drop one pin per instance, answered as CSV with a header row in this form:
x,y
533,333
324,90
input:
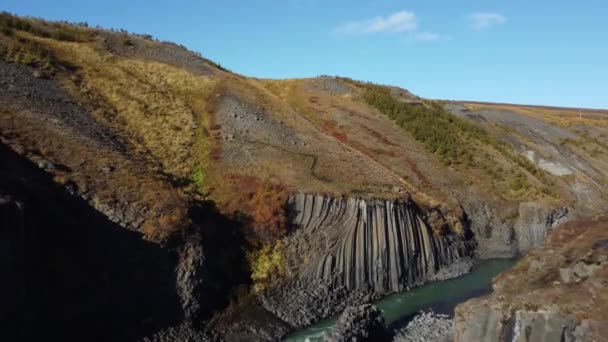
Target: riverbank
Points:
x,y
442,297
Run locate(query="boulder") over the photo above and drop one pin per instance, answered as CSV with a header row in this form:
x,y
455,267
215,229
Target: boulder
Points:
x,y
427,326
360,324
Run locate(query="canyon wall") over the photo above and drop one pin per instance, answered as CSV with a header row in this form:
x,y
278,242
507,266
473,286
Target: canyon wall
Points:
x,y
348,251
356,243
71,274
557,292
503,237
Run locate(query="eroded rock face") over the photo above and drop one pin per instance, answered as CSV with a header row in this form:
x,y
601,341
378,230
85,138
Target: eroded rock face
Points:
x,y
490,323
384,245
542,326
478,322
557,292
495,237
347,252
359,323
500,237
534,223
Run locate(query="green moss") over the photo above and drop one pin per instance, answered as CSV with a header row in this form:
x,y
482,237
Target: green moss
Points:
x,y
198,178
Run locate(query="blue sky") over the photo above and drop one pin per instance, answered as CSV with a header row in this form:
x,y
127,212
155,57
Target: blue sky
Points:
x,y
520,51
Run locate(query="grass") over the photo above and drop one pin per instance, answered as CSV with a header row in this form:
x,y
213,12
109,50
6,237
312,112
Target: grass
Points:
x,y
28,52
439,131
165,210
163,106
451,138
457,143
563,117
62,31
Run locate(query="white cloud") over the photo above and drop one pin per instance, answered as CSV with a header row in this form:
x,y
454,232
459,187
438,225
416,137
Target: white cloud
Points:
x,y
426,36
402,21
484,20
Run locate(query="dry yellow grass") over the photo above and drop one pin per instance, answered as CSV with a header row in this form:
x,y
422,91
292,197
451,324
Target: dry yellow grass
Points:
x,y
166,208
163,106
562,117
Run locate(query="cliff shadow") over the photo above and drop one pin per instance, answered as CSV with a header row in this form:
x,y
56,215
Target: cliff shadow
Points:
x,y
225,244
70,274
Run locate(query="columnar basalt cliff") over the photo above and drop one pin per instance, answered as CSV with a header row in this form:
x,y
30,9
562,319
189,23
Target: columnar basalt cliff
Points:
x,y
382,244
347,251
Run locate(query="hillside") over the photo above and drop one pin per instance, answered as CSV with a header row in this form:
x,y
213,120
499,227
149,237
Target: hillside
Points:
x,y
252,172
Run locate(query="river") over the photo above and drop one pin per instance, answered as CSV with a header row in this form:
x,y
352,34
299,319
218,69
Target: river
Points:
x,y
442,296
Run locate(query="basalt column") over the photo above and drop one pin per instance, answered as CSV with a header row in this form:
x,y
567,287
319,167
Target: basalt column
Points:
x,y
382,244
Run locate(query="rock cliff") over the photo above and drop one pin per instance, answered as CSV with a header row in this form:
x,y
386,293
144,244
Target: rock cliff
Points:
x,y
347,251
381,244
72,274
500,237
555,293
362,323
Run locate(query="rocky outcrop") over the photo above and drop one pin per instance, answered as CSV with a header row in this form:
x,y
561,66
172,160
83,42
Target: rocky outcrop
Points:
x,y
542,326
493,324
349,251
557,292
359,323
71,274
183,333
495,237
535,222
503,235
381,244
428,327
301,304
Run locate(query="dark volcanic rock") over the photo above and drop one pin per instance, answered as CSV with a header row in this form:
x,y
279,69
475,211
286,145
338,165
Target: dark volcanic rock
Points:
x,y
253,324
22,91
359,324
70,274
163,52
384,245
347,252
428,327
505,238
182,333
303,304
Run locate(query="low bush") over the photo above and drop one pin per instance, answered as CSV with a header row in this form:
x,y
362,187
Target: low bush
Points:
x,y
267,264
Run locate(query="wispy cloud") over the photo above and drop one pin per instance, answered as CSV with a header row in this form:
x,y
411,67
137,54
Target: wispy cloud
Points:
x,y
425,36
484,20
402,21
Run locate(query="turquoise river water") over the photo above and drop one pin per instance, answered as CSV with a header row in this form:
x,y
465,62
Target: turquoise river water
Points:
x,y
442,297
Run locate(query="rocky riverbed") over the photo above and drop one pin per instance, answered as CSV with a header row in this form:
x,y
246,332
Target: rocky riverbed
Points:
x,y
401,308
427,326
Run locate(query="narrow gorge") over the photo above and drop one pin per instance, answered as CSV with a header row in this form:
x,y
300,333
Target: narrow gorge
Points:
x,y
363,248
